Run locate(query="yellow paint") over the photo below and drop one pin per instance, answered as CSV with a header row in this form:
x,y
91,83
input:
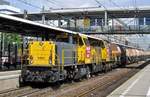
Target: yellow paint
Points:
x,y
44,54
63,59
41,53
81,50
93,55
97,56
104,53
81,54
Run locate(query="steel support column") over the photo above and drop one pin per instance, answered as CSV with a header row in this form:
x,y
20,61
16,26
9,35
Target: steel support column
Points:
x,y
106,18
144,21
75,24
43,18
43,15
68,23
70,39
59,22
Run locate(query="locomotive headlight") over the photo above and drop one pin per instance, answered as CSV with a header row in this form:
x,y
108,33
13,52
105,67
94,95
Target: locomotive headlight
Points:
x,y
31,59
50,61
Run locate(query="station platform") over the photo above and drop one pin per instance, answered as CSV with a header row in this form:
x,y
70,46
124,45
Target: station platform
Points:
x,y
136,86
9,79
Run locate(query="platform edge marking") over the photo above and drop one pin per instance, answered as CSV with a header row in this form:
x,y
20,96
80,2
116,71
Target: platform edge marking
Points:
x,y
129,88
148,93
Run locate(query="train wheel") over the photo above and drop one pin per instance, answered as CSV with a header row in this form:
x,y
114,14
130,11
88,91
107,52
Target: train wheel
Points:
x,y
88,74
105,68
20,81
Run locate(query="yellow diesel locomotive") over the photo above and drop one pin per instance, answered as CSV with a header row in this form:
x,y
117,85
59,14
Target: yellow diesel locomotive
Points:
x,y
73,58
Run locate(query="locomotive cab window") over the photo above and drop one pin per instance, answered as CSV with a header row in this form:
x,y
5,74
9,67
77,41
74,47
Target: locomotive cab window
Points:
x,y
102,44
83,40
93,42
80,42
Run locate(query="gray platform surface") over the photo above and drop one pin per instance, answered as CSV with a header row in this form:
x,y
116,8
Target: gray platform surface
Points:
x,y
136,86
9,80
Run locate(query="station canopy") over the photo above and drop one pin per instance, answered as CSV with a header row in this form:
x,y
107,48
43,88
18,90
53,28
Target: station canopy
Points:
x,y
13,24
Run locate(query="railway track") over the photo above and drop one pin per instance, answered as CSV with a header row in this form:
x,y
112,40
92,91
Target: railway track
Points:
x,y
101,86
99,90
14,92
25,92
85,88
101,83
81,89
29,93
92,89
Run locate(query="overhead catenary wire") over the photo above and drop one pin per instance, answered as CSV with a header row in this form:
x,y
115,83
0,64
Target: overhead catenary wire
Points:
x,y
38,7
41,8
55,3
115,4
30,4
100,4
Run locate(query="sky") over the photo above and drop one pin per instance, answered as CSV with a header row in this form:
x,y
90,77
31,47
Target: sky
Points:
x,y
36,5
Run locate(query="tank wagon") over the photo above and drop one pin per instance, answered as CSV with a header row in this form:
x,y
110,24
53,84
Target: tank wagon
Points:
x,y
74,57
